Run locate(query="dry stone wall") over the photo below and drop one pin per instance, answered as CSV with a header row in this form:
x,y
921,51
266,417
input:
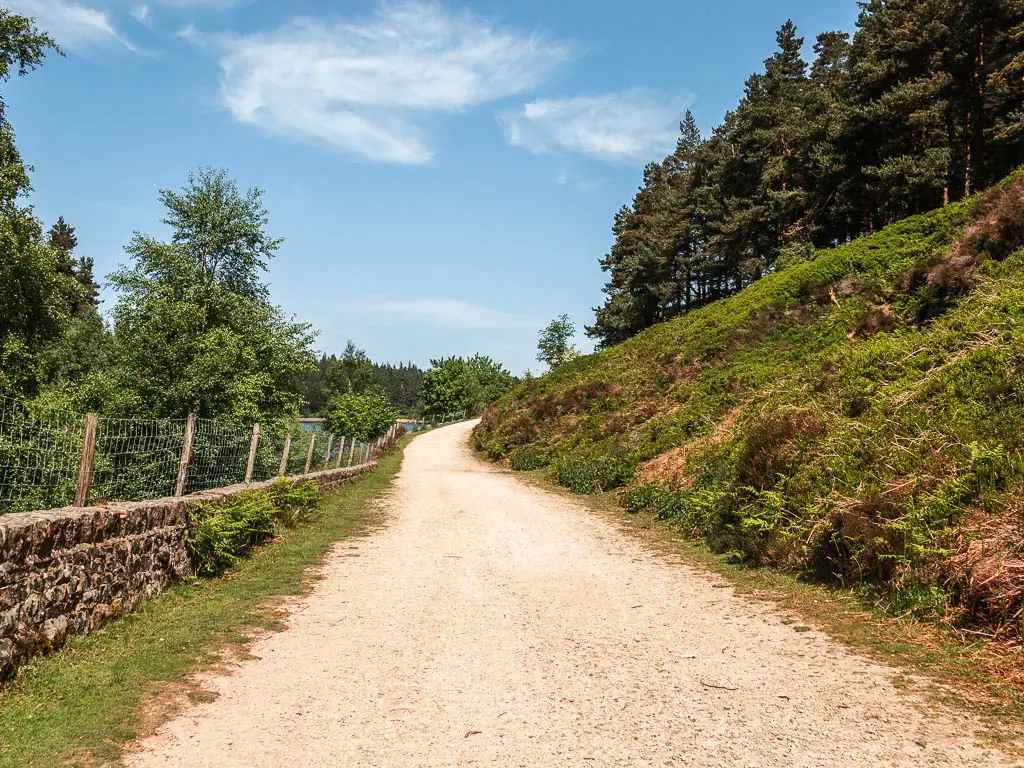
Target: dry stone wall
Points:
x,y
68,571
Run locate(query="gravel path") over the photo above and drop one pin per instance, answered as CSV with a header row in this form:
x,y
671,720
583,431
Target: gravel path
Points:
x,y
493,624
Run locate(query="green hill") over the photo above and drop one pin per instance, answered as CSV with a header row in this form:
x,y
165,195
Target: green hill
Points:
x,y
856,417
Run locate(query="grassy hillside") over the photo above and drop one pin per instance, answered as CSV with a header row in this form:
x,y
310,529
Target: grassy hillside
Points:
x,y
857,417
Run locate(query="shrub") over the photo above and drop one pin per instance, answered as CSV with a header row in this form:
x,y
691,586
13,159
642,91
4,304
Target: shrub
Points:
x,y
218,534
528,458
295,503
587,473
362,416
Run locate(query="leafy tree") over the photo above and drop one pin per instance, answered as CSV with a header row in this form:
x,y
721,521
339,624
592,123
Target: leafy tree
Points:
x,y
194,333
493,379
361,416
32,292
457,385
221,231
555,346
83,350
351,373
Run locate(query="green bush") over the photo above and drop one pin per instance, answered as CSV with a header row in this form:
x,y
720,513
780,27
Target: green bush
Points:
x,y
528,458
362,416
591,473
218,534
295,503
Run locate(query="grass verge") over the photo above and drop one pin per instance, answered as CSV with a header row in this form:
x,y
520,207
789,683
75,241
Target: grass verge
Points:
x,y
81,706
960,671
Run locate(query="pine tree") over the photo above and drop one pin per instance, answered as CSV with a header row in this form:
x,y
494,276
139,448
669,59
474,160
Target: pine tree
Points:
x,y
924,105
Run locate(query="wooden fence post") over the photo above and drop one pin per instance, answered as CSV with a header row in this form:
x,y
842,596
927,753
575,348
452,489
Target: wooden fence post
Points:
x,y
284,455
351,453
309,453
254,444
341,451
327,458
186,454
85,462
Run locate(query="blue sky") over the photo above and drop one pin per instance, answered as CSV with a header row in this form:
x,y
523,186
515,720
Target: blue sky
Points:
x,y
444,174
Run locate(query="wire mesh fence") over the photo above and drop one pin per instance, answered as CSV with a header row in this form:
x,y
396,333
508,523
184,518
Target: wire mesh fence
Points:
x,y
136,459
39,455
220,452
52,458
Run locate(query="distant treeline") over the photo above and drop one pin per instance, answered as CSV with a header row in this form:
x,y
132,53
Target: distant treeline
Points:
x,y
923,106
354,373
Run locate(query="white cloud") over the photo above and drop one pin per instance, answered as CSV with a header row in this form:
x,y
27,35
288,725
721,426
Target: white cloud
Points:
x,y
71,24
188,32
628,126
447,313
142,14
364,87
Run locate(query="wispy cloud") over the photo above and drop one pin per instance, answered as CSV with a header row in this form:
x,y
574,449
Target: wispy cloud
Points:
x,y
71,24
624,127
446,313
365,87
142,14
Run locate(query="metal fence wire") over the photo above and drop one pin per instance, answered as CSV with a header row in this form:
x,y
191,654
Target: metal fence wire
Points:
x,y
136,459
220,452
39,456
51,457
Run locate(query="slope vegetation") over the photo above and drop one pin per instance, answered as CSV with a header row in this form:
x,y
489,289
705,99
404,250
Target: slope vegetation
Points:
x,y
856,417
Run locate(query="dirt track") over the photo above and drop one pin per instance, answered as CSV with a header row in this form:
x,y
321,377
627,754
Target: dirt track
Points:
x,y
493,624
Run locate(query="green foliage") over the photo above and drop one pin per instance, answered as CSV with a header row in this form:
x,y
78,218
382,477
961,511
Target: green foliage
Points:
x,y
361,416
592,472
220,232
555,346
845,417
32,292
295,503
33,296
921,107
355,372
192,329
458,385
528,458
352,373
219,534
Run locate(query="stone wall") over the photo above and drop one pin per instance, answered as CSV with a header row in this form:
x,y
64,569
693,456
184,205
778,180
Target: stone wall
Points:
x,y
67,571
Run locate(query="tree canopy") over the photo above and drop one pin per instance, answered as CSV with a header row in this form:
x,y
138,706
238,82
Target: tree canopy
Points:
x,y
32,291
555,345
193,329
464,385
923,106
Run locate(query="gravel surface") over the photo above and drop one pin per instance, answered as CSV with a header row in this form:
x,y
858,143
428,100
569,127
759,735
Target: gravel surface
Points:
x,y
491,623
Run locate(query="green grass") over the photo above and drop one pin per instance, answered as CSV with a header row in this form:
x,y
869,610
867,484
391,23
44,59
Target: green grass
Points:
x,y
81,705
